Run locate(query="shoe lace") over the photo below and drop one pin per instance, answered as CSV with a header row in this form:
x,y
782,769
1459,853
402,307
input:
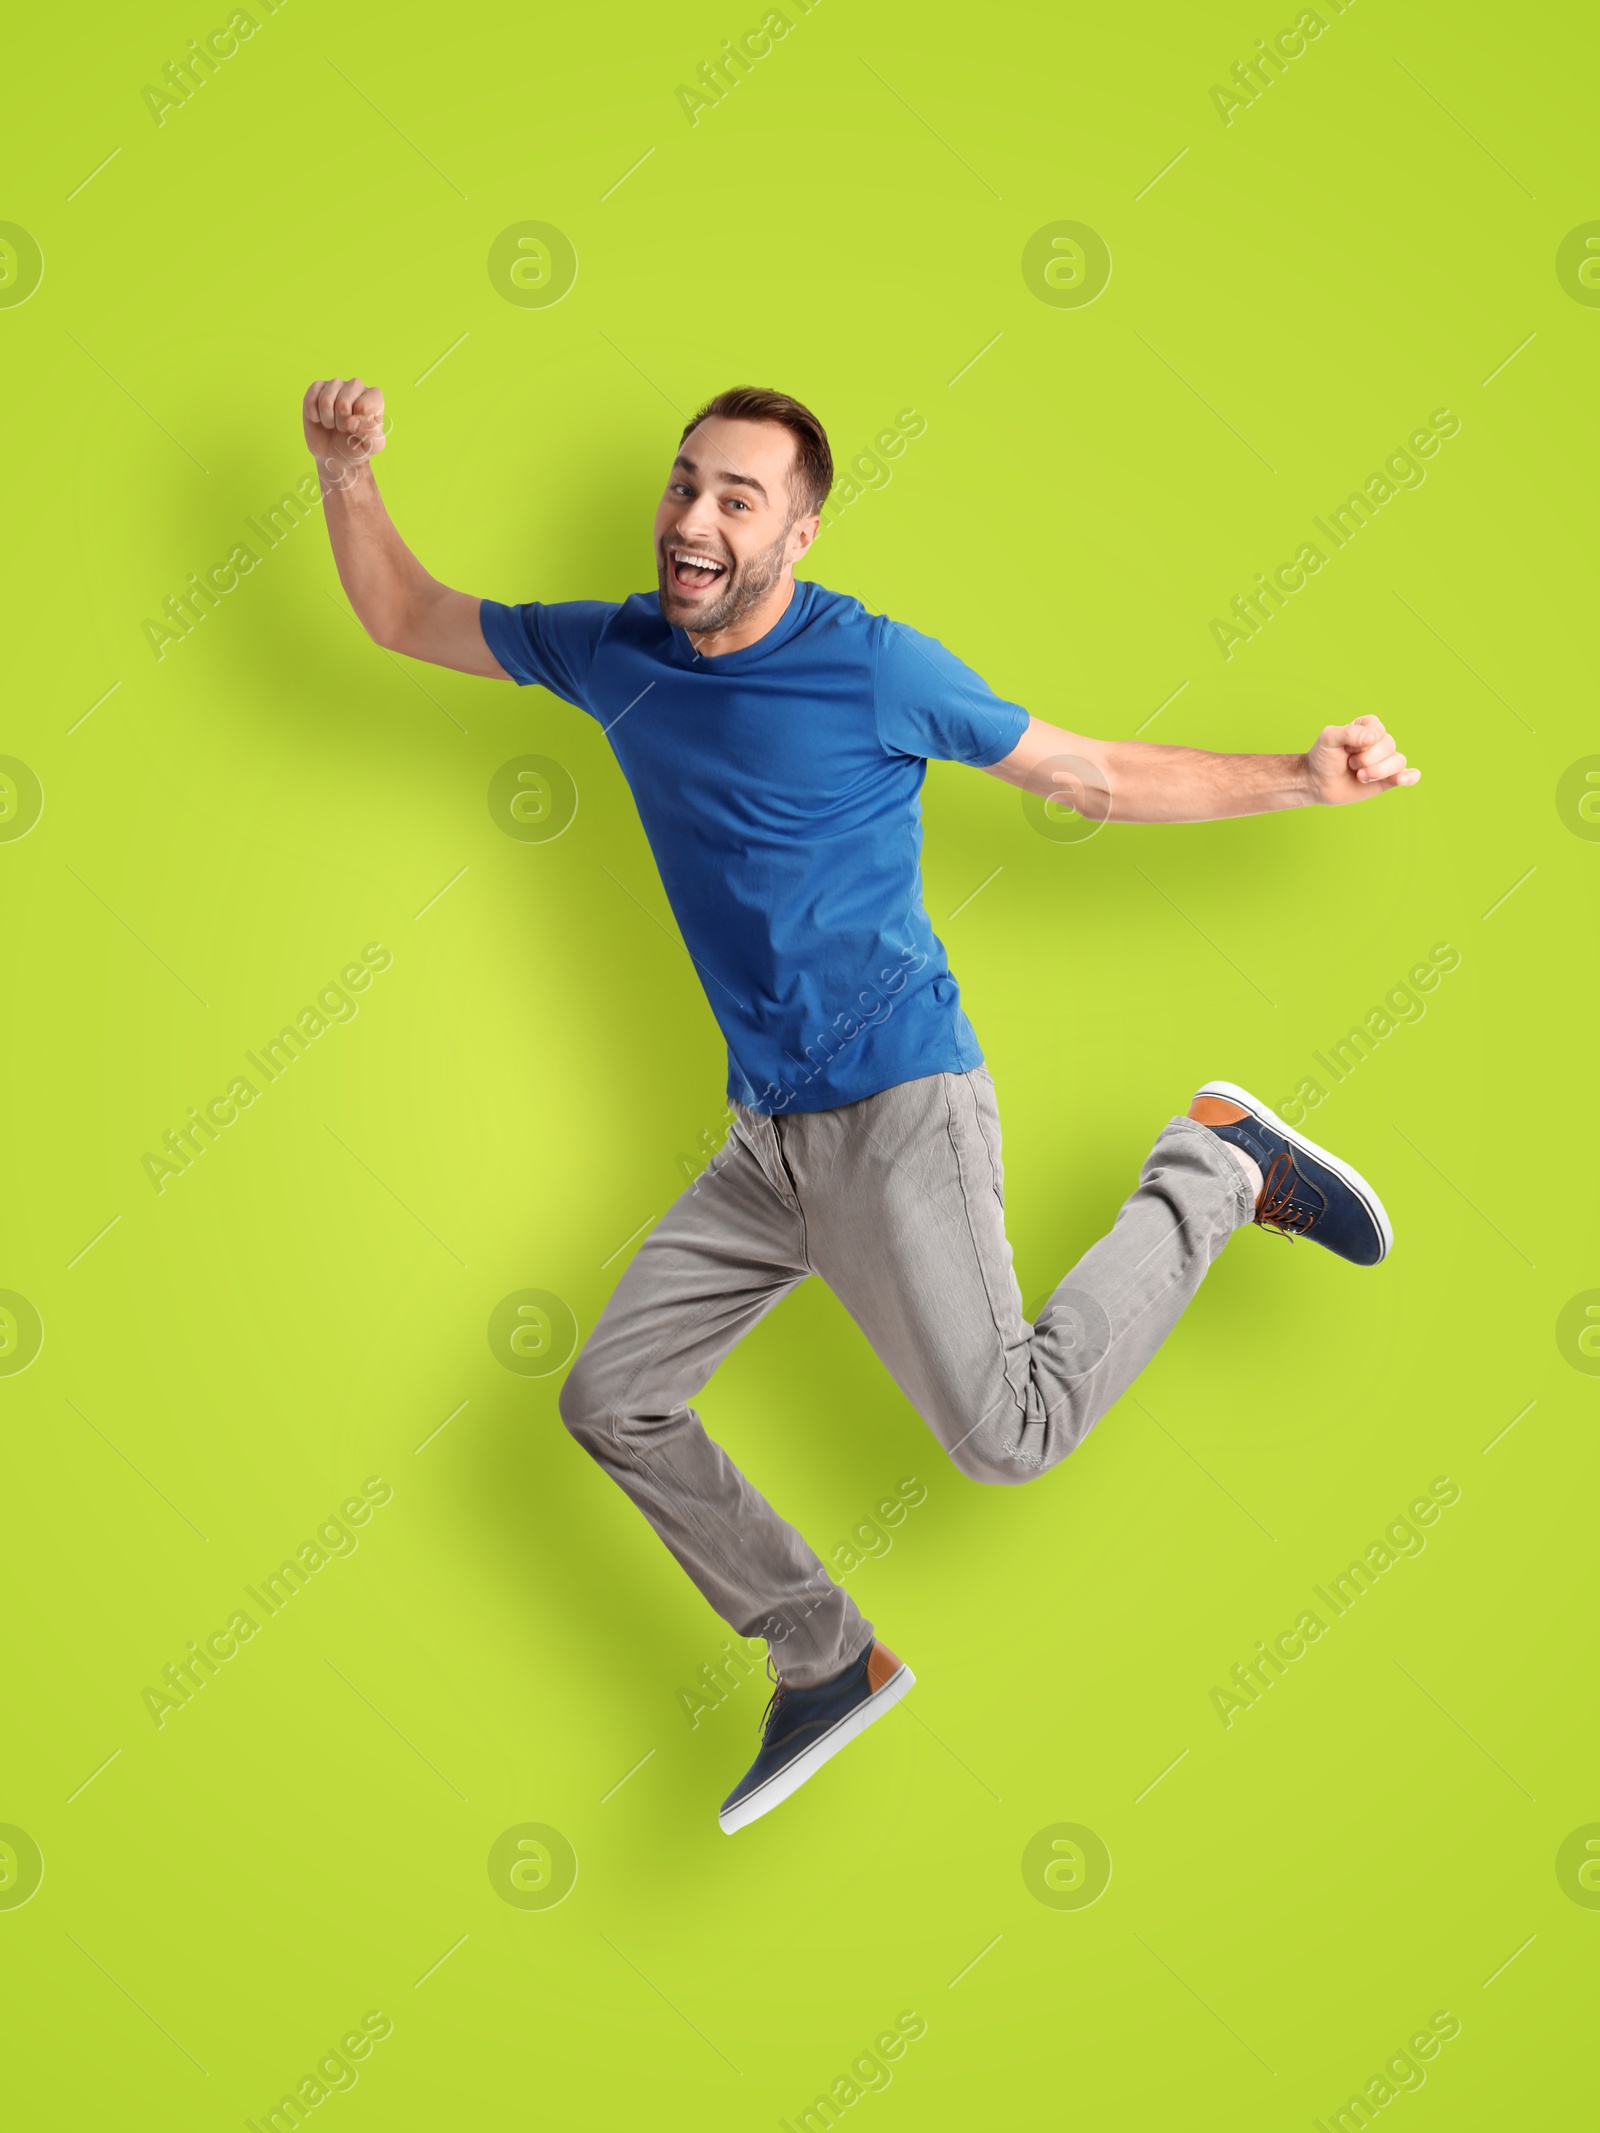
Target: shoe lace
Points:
x,y
775,1698
1277,1210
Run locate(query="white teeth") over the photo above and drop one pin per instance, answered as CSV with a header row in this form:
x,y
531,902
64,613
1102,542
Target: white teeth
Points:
x,y
697,562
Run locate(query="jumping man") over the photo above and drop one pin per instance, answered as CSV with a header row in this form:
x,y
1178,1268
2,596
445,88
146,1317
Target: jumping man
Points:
x,y
775,737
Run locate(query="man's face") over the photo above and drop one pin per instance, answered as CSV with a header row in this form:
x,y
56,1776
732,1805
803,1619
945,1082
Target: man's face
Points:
x,y
727,528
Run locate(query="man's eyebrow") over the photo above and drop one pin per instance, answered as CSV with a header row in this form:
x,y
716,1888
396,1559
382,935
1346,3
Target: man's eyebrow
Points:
x,y
741,481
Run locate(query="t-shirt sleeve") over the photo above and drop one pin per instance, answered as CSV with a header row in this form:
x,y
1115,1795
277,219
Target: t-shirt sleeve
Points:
x,y
929,704
552,645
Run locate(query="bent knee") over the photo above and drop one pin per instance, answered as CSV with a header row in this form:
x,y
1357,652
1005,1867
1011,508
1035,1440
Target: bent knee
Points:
x,y
1000,1456
582,1402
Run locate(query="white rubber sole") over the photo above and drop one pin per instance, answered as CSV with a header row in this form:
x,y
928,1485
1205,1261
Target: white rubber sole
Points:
x,y
1353,1178
777,1788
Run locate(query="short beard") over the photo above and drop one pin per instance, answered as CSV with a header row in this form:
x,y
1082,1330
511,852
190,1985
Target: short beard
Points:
x,y
747,586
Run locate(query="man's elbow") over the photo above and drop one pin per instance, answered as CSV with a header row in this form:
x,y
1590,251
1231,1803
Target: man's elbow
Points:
x,y
389,630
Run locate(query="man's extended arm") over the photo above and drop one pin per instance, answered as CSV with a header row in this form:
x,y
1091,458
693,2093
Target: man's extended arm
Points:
x,y
399,605
1142,781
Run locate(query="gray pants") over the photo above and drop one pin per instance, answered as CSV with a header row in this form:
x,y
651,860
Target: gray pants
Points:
x,y
897,1202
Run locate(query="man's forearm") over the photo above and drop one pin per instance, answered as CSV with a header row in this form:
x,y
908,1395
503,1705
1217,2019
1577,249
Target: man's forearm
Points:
x,y
383,580
1145,781
1149,782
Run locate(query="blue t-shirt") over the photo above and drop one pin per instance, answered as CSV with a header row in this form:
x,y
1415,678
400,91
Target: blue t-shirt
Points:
x,y
780,788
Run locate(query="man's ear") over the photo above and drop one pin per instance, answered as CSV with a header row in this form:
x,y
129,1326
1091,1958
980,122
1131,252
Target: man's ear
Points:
x,y
802,533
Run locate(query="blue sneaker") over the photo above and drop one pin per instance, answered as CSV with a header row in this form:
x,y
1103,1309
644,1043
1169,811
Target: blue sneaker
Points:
x,y
802,1728
1306,1191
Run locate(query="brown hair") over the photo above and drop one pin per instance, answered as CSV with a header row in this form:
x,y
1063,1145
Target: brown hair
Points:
x,y
813,460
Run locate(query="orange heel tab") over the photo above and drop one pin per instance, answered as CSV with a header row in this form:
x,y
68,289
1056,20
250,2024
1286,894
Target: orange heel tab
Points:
x,y
1216,1111
881,1665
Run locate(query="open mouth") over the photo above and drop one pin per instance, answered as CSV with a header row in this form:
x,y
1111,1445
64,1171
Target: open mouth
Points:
x,y
692,570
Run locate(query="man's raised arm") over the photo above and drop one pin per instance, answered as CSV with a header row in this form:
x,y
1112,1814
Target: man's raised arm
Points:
x,y
1143,781
399,605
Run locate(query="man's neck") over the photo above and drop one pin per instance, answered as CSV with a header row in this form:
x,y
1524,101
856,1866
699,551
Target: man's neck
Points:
x,y
750,628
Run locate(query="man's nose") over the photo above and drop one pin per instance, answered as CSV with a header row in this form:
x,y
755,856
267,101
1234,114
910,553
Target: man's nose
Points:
x,y
698,522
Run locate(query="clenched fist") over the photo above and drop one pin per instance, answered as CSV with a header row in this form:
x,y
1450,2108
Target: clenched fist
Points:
x,y
343,424
1353,762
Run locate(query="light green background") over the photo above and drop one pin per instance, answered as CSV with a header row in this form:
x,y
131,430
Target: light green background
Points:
x,y
308,1839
